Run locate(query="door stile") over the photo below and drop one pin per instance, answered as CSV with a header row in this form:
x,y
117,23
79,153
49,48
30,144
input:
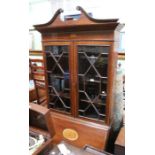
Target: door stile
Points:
x,y
73,77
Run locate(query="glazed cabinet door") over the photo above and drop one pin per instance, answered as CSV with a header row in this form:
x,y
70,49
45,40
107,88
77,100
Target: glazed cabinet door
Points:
x,y
58,76
92,77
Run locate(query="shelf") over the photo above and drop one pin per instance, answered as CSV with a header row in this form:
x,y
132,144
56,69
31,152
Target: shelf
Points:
x,y
49,72
93,81
104,95
49,86
99,103
51,94
103,115
38,73
65,95
40,80
51,103
57,55
62,55
37,60
80,110
104,53
81,75
57,76
104,82
102,77
63,109
67,89
81,91
61,95
40,86
95,103
52,54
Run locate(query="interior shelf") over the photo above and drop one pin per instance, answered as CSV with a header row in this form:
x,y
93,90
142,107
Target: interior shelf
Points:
x,y
104,95
92,80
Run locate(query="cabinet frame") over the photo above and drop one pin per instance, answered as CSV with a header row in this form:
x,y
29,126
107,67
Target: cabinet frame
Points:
x,y
73,70
109,75
66,43
84,31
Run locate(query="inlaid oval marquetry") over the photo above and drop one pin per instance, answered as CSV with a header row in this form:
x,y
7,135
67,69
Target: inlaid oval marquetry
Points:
x,y
70,134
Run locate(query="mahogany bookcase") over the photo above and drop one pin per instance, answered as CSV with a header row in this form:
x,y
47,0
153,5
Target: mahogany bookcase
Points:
x,y
80,63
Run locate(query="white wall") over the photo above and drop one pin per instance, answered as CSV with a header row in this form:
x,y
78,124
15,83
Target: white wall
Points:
x,y
41,11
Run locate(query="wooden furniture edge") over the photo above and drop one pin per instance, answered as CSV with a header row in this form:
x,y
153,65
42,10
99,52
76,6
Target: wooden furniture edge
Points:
x,y
80,121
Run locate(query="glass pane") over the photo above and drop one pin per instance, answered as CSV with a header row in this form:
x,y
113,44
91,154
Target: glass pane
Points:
x,y
83,60
64,62
81,83
101,65
92,89
92,81
58,77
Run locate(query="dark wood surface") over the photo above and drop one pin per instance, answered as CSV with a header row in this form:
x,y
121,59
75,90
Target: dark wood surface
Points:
x,y
89,133
120,142
47,134
32,129
46,112
121,138
39,131
38,108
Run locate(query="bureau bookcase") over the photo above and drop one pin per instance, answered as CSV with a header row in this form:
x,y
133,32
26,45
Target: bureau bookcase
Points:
x,y
80,58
